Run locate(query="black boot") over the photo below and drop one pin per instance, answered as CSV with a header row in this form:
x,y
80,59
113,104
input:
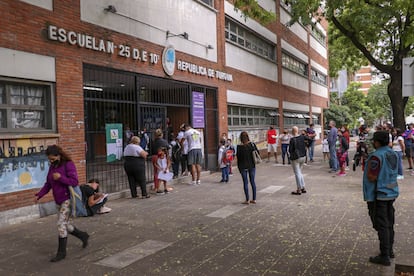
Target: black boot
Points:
x,y
61,253
83,236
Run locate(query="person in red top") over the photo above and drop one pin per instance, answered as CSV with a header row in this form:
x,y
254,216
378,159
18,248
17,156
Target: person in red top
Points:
x,y
272,143
345,133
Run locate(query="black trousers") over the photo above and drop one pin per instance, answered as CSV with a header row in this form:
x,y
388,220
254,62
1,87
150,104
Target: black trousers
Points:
x,y
382,217
135,170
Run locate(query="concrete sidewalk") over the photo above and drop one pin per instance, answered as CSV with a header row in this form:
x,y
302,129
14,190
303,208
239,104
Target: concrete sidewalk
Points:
x,y
205,230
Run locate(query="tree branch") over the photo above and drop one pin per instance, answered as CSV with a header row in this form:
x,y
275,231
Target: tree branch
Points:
x,y
351,35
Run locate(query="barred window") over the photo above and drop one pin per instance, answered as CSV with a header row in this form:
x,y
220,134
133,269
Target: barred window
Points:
x,y
294,65
319,77
245,116
237,34
25,106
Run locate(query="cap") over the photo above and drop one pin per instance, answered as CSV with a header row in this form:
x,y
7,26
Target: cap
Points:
x,y
381,136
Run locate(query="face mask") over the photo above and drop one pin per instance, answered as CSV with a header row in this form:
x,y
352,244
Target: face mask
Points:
x,y
55,163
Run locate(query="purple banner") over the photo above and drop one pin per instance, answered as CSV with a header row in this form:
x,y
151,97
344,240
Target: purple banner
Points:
x,y
198,110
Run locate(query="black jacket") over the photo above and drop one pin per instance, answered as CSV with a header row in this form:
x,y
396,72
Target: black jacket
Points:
x,y
245,156
297,147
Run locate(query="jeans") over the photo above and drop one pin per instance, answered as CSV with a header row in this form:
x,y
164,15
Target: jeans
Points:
x,y
382,217
333,161
225,174
251,172
285,153
297,169
311,149
400,162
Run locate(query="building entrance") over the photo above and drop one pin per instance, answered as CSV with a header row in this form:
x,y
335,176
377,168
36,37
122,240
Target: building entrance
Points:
x,y
137,102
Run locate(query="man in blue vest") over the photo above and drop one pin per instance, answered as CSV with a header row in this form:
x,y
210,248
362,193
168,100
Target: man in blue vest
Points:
x,y
380,190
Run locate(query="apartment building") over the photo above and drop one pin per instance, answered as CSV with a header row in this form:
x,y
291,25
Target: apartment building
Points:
x,y
77,73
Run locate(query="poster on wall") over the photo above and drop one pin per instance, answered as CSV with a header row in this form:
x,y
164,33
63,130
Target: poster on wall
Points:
x,y
198,110
113,142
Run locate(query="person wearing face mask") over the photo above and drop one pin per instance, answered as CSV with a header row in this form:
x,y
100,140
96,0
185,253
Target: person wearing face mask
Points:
x,y
62,174
285,140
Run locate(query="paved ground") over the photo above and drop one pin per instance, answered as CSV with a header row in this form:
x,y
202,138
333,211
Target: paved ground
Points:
x,y
205,230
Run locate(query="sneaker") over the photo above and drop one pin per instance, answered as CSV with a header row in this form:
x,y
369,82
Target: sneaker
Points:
x,y
341,174
160,193
193,183
104,210
230,174
166,191
400,177
409,169
198,182
347,168
382,260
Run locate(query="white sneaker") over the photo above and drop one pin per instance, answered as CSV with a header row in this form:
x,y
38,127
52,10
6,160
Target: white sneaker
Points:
x,y
104,210
400,177
198,182
193,183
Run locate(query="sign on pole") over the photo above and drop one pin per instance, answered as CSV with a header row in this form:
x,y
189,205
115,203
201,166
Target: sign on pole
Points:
x,y
408,77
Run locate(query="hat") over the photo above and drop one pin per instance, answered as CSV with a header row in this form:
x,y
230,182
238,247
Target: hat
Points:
x,y
381,136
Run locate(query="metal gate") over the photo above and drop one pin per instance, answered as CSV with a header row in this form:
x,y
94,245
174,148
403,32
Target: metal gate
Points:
x,y
138,102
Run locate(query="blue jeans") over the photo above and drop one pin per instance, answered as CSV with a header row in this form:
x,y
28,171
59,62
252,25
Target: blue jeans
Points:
x,y
225,174
311,149
285,153
297,170
251,172
400,162
333,161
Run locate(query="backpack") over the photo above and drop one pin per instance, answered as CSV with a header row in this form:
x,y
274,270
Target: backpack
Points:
x,y
228,155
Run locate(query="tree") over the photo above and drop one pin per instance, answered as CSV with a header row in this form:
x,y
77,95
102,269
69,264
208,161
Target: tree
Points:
x,y
337,112
381,30
250,8
379,101
356,101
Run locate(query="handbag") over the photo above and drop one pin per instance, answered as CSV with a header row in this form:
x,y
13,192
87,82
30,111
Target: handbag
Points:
x,y
78,208
256,155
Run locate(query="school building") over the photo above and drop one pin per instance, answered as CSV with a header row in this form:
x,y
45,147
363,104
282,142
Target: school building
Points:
x,y
78,73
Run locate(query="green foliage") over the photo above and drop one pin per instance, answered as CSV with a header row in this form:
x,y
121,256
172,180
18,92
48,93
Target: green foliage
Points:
x,y
338,113
379,31
356,101
379,101
251,9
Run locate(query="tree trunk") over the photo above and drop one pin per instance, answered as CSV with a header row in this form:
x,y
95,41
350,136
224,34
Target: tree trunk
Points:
x,y
397,101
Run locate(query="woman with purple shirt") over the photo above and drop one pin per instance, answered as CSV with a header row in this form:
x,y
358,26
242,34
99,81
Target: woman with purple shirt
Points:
x,y
62,174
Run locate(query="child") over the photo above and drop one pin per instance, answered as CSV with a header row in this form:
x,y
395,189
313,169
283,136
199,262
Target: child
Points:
x,y
223,162
164,175
94,201
325,148
175,157
230,147
341,152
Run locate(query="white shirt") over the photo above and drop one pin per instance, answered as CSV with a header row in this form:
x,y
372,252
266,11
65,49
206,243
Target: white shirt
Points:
x,y
185,143
194,139
396,143
133,150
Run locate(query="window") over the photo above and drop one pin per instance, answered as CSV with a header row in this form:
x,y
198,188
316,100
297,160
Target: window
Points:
x,y
208,2
318,77
246,39
294,65
25,106
318,35
252,116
